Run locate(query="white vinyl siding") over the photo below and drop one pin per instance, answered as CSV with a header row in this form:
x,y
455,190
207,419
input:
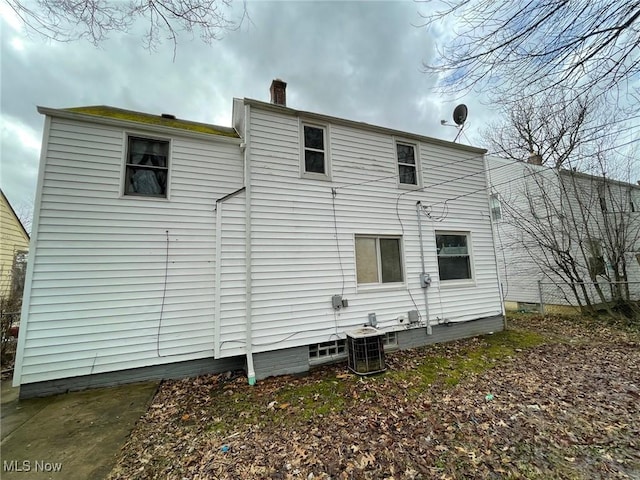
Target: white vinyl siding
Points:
x,y
232,271
296,265
122,282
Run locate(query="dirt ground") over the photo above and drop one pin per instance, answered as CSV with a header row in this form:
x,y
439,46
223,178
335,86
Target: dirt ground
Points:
x,y
549,398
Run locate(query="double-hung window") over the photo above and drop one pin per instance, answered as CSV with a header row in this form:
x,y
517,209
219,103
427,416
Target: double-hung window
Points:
x,y
315,153
378,260
407,164
454,255
147,167
595,258
496,207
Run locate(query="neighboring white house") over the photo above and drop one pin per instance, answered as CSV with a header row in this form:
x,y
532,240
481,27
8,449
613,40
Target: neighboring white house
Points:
x,y
562,227
165,248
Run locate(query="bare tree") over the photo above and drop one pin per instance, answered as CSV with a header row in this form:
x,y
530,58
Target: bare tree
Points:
x,y
549,126
94,20
579,229
517,48
24,212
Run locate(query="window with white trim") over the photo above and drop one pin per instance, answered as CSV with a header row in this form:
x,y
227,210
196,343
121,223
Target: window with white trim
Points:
x,y
378,260
314,151
496,207
407,164
595,258
147,167
454,257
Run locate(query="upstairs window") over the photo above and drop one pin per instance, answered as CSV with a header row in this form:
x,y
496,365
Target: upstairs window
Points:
x,y
454,258
19,271
496,207
595,258
315,152
147,167
378,260
407,167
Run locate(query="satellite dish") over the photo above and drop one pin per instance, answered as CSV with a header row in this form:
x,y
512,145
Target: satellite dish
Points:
x,y
460,114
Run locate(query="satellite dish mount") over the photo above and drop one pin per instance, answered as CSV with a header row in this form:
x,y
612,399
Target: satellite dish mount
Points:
x,y
459,117
460,114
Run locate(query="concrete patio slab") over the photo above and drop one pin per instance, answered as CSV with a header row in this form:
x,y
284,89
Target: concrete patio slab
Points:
x,y
72,436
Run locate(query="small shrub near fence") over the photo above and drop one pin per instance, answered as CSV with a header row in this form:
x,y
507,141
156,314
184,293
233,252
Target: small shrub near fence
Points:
x,y
9,324
617,298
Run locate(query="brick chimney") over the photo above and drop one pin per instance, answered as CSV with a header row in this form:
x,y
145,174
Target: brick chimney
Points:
x,y
278,92
535,159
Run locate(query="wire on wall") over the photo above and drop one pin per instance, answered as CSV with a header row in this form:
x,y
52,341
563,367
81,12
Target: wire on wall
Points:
x,y
335,227
164,296
164,292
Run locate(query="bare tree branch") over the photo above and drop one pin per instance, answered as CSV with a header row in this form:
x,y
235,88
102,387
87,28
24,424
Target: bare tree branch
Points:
x,y
512,49
94,20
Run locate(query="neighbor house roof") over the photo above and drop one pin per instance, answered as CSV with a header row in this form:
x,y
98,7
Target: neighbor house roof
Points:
x,y
5,200
119,114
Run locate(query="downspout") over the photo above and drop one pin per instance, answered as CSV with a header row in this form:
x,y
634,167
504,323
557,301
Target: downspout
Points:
x,y
423,275
494,234
251,374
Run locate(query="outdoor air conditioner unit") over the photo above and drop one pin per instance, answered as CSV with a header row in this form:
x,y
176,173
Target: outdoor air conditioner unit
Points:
x,y
365,351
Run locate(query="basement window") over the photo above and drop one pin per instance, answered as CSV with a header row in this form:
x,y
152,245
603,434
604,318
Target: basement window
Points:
x,y
327,351
454,256
390,339
378,260
147,167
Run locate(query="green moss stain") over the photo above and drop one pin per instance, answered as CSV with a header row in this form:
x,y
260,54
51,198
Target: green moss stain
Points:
x,y
318,398
322,395
120,114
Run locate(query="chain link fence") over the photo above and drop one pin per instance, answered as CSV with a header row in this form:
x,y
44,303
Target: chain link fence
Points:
x,y
592,297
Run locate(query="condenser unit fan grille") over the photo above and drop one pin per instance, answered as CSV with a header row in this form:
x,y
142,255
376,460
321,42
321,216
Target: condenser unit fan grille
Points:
x,y
366,351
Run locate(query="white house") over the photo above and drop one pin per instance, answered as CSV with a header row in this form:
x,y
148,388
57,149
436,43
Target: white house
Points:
x,y
165,248
573,232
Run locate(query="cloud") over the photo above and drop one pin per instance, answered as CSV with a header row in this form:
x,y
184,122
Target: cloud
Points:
x,y
356,60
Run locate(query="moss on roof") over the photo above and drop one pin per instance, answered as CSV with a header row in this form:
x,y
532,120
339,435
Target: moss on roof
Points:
x,y
146,118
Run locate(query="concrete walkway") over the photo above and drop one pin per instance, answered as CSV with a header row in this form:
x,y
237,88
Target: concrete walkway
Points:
x,y
71,436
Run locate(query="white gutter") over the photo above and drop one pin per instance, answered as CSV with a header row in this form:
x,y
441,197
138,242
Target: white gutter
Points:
x,y
423,274
251,374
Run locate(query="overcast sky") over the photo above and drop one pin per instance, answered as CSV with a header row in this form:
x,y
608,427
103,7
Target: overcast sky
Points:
x,y
361,61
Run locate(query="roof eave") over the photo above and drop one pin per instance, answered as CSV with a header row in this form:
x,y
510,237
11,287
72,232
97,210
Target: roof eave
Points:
x,y
362,125
66,114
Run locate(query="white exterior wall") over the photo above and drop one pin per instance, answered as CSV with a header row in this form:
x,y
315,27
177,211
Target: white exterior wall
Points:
x,y
232,271
517,250
584,205
295,261
118,282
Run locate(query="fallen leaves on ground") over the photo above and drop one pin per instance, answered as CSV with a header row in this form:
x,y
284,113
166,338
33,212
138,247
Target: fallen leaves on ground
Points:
x,y
566,406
